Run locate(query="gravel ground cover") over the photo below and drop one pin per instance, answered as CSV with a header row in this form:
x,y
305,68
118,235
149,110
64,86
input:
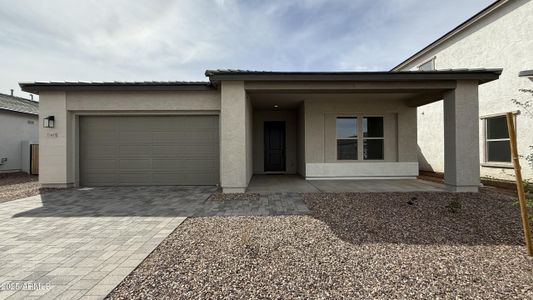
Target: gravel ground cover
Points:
x,y
18,185
365,245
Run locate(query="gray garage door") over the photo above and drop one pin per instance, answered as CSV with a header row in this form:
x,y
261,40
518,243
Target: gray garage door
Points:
x,y
149,150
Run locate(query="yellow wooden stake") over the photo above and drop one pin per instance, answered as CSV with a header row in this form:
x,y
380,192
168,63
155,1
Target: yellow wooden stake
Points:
x,y
519,184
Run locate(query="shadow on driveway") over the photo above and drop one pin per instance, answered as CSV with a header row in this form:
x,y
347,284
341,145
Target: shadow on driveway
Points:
x,y
164,201
420,218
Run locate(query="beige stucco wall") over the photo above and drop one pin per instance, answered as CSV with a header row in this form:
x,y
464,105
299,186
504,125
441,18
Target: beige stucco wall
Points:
x,y
14,129
55,163
314,120
320,142
503,39
290,118
461,137
144,100
249,139
235,138
59,145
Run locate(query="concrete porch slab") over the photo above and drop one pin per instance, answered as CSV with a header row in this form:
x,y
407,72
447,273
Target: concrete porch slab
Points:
x,y
296,184
377,186
280,184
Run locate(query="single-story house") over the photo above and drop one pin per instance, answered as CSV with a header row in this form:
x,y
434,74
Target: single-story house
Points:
x,y
18,129
321,125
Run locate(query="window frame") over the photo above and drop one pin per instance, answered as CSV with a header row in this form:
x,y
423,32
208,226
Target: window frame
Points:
x,y
372,138
360,138
357,129
486,162
431,60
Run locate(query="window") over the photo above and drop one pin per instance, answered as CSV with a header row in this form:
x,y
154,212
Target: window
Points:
x,y
497,140
428,65
346,138
373,139
349,138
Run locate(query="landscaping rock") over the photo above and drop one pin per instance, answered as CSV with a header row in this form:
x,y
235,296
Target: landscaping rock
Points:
x,y
353,245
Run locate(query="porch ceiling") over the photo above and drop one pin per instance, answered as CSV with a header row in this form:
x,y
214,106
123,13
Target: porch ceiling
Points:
x,y
289,94
415,88
267,101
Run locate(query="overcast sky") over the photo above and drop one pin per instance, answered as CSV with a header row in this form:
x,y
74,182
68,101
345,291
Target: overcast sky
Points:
x,y
178,40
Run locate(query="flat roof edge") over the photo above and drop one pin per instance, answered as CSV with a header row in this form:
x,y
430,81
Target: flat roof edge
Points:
x,y
36,87
482,75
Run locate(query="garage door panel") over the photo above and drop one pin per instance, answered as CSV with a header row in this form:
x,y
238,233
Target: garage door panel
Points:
x,y
202,151
170,178
101,137
191,178
135,150
135,179
100,123
168,151
201,136
96,152
135,164
149,150
189,152
185,165
101,179
101,165
135,138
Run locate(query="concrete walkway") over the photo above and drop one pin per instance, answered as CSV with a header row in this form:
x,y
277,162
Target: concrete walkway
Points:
x,y
81,243
280,184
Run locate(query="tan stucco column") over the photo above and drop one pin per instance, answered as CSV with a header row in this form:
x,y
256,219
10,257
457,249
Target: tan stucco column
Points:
x,y
56,151
461,138
235,141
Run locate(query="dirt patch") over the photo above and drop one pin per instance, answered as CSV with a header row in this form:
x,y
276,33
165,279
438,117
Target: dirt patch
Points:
x,y
370,246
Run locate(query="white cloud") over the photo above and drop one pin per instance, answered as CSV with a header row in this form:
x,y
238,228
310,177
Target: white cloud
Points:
x,y
178,40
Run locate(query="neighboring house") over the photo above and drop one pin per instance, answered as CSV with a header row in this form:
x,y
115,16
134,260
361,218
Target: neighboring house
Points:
x,y
321,125
500,36
18,126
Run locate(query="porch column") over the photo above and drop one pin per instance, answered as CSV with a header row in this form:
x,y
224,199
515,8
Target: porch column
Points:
x,y
461,138
235,144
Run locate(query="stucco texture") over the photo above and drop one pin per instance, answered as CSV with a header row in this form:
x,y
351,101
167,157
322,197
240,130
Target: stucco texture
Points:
x,y
503,39
14,129
320,137
59,145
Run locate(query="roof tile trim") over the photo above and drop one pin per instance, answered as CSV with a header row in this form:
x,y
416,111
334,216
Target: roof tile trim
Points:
x,y
18,104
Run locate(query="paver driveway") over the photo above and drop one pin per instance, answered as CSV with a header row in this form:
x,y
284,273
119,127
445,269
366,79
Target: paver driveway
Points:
x,y
83,242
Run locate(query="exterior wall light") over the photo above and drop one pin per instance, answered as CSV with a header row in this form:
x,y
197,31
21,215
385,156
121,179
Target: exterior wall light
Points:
x,y
49,122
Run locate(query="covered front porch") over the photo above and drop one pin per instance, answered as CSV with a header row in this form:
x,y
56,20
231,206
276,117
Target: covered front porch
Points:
x,y
297,184
343,131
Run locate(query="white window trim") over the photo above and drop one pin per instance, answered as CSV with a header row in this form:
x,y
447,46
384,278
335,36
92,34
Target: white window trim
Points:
x,y
515,112
431,60
486,162
360,138
356,117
